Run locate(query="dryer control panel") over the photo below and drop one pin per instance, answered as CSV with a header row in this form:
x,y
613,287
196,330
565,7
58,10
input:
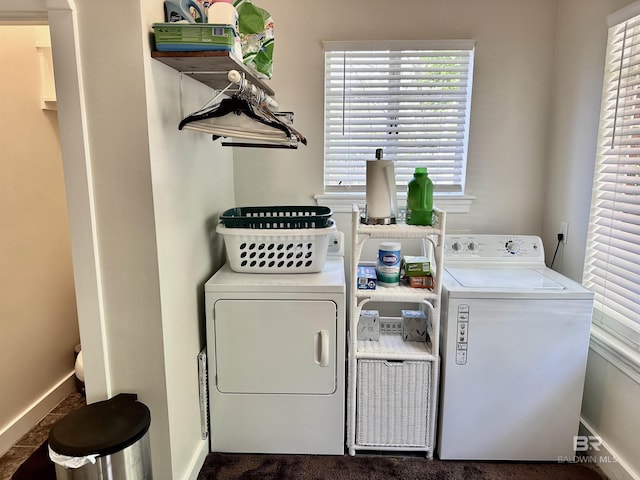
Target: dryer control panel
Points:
x,y
490,248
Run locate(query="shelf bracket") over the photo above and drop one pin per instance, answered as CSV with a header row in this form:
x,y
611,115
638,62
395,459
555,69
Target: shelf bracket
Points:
x,y
217,95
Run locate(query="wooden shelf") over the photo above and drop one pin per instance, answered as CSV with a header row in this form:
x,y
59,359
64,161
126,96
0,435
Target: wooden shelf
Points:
x,y
209,67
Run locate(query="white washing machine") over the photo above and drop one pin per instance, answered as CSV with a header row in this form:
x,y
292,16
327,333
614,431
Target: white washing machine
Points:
x,y
515,338
276,360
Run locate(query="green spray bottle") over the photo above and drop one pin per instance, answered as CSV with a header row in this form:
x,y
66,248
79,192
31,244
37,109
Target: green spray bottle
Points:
x,y
420,199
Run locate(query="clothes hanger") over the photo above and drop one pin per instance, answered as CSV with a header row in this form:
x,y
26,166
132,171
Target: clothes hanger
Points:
x,y
277,119
264,103
235,106
236,117
260,145
246,114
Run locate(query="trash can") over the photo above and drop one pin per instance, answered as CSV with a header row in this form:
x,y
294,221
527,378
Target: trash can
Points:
x,y
103,440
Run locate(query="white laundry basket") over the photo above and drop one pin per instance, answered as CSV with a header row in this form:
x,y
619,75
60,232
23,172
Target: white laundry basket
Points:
x,y
276,251
277,239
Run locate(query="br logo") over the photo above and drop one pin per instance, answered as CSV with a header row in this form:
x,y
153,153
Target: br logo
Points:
x,y
582,443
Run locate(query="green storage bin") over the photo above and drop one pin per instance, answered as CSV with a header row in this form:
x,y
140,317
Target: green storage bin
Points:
x,y
189,37
277,217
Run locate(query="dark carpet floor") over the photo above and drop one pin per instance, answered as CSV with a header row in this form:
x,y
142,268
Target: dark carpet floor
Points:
x,y
219,466
37,466
233,466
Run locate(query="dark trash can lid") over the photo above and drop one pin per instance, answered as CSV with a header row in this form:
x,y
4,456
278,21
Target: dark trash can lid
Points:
x,y
101,428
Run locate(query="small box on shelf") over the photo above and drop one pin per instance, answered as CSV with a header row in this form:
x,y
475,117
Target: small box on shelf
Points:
x,y
414,326
416,266
421,282
369,325
367,278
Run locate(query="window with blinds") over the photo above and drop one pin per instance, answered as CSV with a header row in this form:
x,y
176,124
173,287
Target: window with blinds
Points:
x,y
412,99
612,263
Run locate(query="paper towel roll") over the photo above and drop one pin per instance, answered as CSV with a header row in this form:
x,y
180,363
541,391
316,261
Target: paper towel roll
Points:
x,y
381,189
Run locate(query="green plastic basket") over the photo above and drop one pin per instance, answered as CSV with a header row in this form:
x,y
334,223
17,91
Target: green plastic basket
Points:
x,y
193,37
277,217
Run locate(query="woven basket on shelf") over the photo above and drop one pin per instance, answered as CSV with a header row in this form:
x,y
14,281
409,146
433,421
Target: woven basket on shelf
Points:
x,y
393,403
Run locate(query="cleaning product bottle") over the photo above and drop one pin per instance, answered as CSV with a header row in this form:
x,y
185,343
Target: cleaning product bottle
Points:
x,y
181,11
222,12
388,264
420,199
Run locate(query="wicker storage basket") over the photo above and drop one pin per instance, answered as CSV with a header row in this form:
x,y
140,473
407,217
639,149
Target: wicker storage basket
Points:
x,y
393,403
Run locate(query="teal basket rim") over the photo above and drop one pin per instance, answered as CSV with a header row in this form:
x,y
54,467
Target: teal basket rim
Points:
x,y
277,217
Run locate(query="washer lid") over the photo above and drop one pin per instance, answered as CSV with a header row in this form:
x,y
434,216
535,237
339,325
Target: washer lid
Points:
x,y
503,278
101,428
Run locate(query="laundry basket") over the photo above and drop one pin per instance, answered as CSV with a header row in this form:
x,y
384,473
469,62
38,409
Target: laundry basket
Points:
x,y
393,403
286,239
277,217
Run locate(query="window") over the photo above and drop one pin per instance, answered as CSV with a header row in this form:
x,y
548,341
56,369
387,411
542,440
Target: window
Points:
x,y
412,99
612,264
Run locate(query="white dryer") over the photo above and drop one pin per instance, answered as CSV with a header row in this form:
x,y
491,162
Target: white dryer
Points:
x,y
514,344
276,350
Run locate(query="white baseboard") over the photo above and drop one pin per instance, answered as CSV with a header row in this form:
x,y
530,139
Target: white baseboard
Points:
x,y
197,460
30,417
611,464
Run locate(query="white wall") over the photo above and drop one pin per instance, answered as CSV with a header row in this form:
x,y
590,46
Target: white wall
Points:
x,y
125,227
156,192
611,398
192,179
510,107
38,321
577,89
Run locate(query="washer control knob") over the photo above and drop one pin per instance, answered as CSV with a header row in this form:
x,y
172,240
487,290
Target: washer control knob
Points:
x,y
472,246
512,247
456,247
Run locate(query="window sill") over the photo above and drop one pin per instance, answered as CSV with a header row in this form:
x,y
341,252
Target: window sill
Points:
x,y
343,202
620,355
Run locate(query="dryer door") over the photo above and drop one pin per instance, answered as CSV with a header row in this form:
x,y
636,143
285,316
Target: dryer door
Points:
x,y
275,346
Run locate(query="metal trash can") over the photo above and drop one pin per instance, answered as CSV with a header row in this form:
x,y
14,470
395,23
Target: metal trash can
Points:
x,y
103,440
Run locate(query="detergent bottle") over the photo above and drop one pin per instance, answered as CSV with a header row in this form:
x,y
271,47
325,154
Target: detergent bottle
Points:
x,y
181,11
420,199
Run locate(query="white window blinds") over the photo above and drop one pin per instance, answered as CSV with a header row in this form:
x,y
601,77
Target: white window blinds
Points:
x,y
412,99
612,265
